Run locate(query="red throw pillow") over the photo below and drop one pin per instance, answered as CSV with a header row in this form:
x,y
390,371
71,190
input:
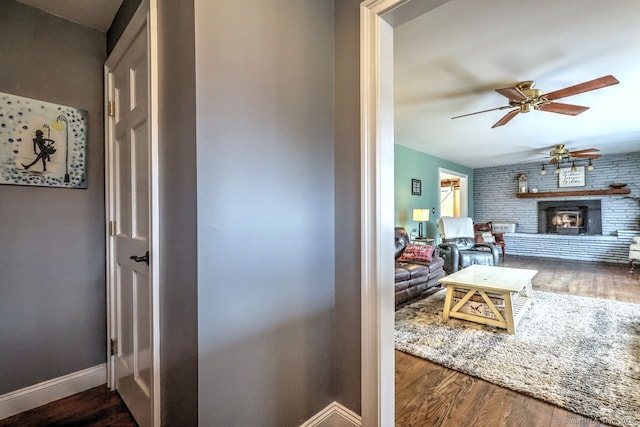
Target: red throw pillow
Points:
x,y
417,253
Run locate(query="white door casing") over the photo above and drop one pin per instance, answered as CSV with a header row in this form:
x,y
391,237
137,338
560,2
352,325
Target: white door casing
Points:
x,y
131,189
377,19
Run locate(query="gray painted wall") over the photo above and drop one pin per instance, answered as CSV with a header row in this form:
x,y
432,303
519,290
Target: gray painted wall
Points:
x,y
52,273
279,291
265,172
178,212
347,202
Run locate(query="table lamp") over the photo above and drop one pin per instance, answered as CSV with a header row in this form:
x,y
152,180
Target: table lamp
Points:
x,y
420,215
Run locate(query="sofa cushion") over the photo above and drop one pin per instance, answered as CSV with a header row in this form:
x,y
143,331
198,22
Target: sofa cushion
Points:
x,y
417,253
402,240
415,270
402,274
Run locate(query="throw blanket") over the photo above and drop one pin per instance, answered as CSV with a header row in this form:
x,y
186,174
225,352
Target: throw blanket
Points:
x,y
452,228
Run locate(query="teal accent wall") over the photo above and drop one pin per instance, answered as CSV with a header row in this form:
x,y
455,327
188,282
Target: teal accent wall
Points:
x,y
410,164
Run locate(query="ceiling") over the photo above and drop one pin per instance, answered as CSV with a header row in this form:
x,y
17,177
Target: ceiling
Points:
x,y
96,14
449,61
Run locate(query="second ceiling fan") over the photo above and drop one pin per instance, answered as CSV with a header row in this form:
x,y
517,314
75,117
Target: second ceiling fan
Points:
x,y
523,98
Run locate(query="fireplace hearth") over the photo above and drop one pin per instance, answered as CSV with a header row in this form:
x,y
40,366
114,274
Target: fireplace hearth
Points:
x,y
575,217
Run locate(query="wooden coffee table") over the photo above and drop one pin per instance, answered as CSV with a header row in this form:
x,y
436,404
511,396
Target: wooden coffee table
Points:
x,y
491,284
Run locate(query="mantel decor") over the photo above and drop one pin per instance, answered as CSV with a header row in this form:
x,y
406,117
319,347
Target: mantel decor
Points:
x,y
607,192
571,177
42,144
522,184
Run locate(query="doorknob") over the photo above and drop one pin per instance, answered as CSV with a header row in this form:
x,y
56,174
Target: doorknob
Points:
x,y
144,258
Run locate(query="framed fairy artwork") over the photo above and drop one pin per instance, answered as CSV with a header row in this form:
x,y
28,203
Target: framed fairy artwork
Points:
x,y
41,143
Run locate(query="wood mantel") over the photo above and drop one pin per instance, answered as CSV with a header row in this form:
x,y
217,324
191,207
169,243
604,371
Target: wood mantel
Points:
x,y
607,192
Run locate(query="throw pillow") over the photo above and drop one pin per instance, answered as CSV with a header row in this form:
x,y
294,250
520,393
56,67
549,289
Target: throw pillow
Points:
x,y
417,253
487,237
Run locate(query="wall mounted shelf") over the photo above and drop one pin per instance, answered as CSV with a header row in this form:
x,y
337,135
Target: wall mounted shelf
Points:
x,y
607,192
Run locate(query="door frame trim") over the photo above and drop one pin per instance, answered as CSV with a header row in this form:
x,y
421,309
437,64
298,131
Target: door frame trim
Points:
x,y
377,21
146,14
377,212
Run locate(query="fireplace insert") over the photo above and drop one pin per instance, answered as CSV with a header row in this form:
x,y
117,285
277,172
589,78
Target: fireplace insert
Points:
x,y
573,217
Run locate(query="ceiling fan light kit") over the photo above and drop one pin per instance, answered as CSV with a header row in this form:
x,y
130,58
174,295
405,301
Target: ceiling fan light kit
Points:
x,y
523,98
560,154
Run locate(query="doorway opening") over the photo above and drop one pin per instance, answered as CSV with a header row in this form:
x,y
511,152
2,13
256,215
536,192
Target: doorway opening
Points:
x,y
377,21
454,192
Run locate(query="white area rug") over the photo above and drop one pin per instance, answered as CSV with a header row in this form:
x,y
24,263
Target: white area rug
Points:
x,y
582,354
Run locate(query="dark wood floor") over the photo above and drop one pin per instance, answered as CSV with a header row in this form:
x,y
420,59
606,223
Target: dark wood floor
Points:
x,y
95,407
427,395
431,395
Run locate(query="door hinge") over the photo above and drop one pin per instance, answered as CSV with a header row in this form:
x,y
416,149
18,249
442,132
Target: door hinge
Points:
x,y
112,109
112,228
114,347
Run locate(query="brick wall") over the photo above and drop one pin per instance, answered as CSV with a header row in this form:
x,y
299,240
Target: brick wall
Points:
x,y
495,200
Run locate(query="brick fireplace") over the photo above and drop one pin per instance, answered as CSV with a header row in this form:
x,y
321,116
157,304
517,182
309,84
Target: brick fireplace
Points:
x,y
495,199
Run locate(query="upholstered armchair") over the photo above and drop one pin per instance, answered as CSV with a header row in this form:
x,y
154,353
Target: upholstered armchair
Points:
x,y
484,234
458,247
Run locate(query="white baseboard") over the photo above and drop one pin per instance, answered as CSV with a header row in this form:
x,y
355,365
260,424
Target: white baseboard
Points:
x,y
333,409
45,392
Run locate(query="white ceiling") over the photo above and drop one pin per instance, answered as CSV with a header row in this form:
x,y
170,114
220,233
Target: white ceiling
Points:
x,y
96,14
449,61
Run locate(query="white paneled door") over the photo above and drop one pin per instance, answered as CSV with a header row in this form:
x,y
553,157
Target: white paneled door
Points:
x,y
128,173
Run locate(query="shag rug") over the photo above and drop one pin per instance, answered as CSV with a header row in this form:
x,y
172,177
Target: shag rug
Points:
x,y
582,354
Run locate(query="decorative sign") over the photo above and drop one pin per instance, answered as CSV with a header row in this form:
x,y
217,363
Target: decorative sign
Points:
x,y
41,143
566,178
416,187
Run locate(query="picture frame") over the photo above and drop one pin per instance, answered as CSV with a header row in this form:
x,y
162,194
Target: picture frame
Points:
x,y
41,143
567,178
416,187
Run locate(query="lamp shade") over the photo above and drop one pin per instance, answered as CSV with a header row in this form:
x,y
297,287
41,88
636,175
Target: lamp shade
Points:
x,y
421,215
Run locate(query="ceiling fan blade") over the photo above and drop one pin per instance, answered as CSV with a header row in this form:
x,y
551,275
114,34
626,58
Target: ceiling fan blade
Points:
x,y
553,161
585,155
568,109
506,118
583,150
483,111
512,93
583,87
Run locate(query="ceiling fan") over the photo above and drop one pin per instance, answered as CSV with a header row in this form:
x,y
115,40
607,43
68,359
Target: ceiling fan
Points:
x,y
560,153
523,98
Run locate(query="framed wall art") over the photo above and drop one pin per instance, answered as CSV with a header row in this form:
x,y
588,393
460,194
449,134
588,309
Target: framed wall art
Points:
x,y
41,143
416,187
568,178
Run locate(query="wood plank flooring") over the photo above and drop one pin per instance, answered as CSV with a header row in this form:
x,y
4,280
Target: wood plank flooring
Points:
x,y
430,395
427,395
95,407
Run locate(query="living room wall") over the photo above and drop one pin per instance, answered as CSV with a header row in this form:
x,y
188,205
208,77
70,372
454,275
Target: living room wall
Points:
x,y
408,164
